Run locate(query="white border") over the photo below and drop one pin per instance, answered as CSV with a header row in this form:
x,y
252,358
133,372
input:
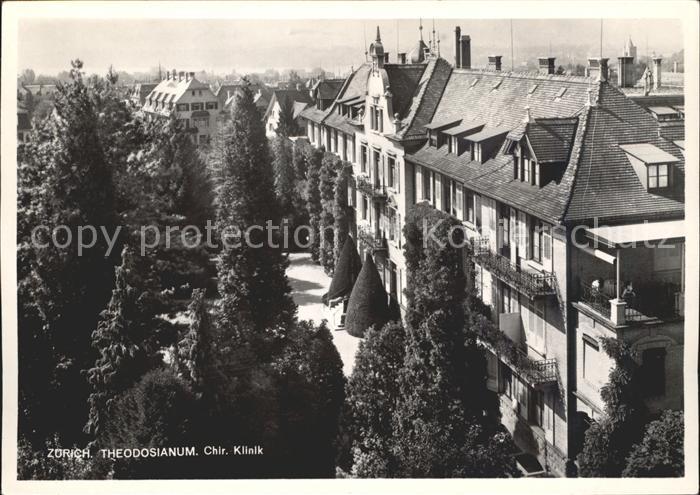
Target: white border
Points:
x,y
687,11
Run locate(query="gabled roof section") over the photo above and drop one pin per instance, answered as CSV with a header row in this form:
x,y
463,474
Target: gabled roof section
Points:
x,y
424,99
551,139
327,89
606,185
353,88
288,97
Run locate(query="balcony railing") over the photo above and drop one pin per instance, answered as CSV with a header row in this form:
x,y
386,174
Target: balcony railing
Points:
x,y
374,239
375,191
648,302
532,284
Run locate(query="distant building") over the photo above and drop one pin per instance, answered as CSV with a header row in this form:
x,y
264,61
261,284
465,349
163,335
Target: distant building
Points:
x,y
24,125
138,93
296,99
192,101
226,92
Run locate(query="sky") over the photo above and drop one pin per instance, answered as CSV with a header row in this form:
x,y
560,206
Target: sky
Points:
x,y
222,45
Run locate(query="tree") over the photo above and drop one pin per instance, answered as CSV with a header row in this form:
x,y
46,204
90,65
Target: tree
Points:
x,y
311,391
156,412
372,395
608,442
252,282
346,272
340,206
660,453
285,180
330,167
439,424
314,206
127,338
287,125
70,184
367,305
27,76
195,351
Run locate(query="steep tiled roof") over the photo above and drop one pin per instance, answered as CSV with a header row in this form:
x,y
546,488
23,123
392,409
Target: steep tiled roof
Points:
x,y
551,139
403,82
288,97
606,184
327,89
425,98
354,86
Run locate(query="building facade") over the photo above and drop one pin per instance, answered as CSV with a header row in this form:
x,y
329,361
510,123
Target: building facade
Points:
x,y
191,101
572,194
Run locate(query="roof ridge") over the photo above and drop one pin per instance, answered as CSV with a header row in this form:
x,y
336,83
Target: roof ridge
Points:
x,y
577,147
526,75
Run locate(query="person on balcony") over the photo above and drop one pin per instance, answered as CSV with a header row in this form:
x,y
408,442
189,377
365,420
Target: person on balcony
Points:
x,y
628,294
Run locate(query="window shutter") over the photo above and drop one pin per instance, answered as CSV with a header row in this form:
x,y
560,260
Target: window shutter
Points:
x,y
438,191
419,183
459,202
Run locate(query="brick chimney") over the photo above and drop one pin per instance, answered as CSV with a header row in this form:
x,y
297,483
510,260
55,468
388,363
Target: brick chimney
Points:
x,y
546,65
181,75
402,57
495,62
191,75
657,71
458,42
625,71
597,68
465,52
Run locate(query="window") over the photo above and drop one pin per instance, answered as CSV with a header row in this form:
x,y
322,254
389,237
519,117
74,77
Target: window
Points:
x,y
507,299
432,137
535,411
525,173
183,107
590,357
469,200
537,244
376,118
377,164
363,159
653,371
505,226
427,189
393,176
212,105
193,92
477,210
202,139
477,151
446,194
196,106
536,171
184,123
506,378
657,176
393,228
365,207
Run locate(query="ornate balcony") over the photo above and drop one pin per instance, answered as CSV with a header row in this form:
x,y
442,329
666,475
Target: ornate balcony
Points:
x,y
375,191
531,284
371,238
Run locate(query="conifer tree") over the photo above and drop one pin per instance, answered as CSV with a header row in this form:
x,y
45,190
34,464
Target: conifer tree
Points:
x,y
256,301
330,167
127,337
195,352
340,207
372,395
367,305
314,158
285,185
66,290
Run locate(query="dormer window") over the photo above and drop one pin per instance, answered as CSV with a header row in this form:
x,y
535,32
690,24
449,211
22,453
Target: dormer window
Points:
x,y
560,94
376,118
653,166
657,176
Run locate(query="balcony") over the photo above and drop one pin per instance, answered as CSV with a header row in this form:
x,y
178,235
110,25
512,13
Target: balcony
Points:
x,y
530,283
374,239
649,302
375,191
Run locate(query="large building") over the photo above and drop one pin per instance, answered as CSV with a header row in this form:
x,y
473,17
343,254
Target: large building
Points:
x,y
191,101
573,197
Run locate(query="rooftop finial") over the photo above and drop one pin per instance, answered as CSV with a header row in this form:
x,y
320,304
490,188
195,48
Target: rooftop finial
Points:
x,y
379,38
420,28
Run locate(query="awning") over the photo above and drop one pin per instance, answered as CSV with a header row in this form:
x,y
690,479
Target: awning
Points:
x,y
622,236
